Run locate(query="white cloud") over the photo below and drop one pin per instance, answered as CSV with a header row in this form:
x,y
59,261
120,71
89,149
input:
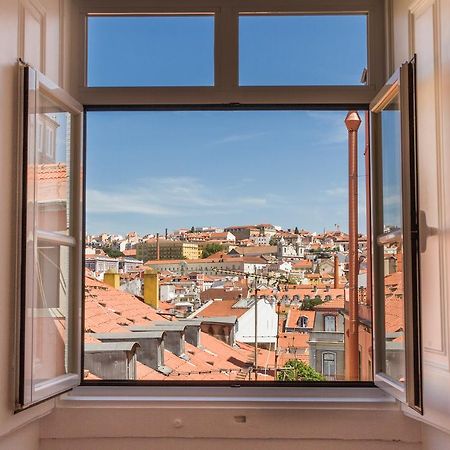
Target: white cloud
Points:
x,y
170,196
238,138
337,192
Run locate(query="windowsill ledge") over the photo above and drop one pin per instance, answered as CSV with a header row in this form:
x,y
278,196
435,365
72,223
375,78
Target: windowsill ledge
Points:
x,y
229,413
370,398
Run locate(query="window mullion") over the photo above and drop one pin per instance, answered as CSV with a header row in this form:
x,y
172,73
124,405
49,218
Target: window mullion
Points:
x,y
226,46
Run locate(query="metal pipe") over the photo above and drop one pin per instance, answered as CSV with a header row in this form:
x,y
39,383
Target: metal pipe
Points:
x,y
352,122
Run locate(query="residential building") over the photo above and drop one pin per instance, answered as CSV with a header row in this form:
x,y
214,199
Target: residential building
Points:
x,y
326,340
168,249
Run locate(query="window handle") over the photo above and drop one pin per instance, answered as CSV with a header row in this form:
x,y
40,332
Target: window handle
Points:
x,y
425,231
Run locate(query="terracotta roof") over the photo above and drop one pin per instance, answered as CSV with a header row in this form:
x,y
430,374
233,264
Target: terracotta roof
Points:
x,y
295,339
221,308
294,315
224,294
56,171
394,314
311,291
336,303
302,264
108,309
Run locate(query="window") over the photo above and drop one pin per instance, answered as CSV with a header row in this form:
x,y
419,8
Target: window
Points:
x,y
396,255
50,244
210,73
329,323
329,365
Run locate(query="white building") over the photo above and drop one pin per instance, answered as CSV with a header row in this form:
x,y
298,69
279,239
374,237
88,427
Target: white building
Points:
x,y
267,322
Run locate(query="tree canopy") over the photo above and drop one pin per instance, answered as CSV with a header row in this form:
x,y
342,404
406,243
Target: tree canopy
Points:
x,y
295,370
211,248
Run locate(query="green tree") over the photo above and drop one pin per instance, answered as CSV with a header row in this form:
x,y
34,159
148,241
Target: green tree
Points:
x,y
295,370
309,303
112,252
273,240
210,249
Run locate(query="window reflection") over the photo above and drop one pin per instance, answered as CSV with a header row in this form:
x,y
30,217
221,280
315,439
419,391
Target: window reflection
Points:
x,y
394,312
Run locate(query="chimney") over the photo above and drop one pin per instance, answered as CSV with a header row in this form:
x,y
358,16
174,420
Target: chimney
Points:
x,y
337,284
112,279
157,246
151,288
165,234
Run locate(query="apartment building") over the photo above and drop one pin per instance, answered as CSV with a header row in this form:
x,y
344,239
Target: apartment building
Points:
x,y
167,250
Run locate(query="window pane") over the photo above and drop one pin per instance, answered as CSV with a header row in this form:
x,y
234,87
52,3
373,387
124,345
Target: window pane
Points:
x,y
50,311
391,163
394,325
53,189
205,198
151,51
302,50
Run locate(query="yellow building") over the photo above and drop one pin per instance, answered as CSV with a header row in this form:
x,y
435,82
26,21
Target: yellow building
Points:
x,y
167,250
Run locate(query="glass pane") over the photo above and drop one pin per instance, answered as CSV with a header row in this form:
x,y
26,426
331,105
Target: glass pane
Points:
x,y
50,310
53,150
394,325
391,163
302,50
151,51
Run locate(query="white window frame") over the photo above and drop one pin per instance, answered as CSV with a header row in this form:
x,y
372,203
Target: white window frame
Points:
x,y
226,91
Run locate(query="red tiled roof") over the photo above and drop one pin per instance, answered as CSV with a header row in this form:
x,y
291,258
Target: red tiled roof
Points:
x,y
221,308
295,340
336,303
57,171
294,314
303,264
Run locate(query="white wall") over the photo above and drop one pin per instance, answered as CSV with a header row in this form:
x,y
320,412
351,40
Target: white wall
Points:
x,y
29,29
277,427
422,27
267,324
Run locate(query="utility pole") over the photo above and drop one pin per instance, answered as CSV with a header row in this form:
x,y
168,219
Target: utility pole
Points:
x,y
352,122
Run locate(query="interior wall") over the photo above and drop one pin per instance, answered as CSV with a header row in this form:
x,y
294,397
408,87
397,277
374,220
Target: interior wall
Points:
x,y
421,27
32,30
26,437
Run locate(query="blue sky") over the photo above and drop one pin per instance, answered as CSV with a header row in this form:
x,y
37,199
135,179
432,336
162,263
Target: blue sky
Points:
x,y
148,170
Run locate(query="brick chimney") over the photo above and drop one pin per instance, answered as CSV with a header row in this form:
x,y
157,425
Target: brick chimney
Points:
x,y
337,283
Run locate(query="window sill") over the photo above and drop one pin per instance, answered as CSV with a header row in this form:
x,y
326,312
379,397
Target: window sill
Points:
x,y
369,398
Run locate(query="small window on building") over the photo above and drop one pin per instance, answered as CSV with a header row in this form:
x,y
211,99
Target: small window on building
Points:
x,y
329,323
329,366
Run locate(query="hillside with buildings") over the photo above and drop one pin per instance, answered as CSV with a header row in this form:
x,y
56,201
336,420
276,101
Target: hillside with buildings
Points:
x,y
165,309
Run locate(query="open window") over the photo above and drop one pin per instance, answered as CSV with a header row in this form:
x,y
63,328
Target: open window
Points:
x,y
396,239
49,252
